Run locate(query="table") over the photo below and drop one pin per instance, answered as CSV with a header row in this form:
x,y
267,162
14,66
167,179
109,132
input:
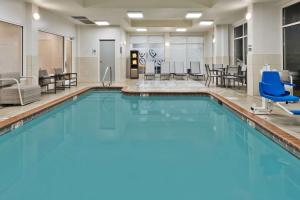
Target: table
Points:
x,y
221,72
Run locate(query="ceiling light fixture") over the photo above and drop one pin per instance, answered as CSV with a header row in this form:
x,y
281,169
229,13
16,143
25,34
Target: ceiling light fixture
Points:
x,y
180,29
36,16
248,16
135,15
193,15
206,23
141,30
102,23
167,44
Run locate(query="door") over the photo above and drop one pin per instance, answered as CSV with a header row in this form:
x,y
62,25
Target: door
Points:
x,y
107,58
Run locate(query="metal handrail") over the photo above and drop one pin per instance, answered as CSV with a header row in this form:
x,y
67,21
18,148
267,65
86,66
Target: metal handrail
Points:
x,y
110,76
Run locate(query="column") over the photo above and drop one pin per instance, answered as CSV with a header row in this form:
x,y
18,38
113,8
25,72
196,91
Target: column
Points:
x,y
264,42
221,44
31,67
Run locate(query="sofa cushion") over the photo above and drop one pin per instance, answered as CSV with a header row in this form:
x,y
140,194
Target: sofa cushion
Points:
x,y
15,75
43,73
58,71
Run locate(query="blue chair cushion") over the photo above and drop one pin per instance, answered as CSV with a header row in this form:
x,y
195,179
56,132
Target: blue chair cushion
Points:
x,y
288,98
273,89
295,112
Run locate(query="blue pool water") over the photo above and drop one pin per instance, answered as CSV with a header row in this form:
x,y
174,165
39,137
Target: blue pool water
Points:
x,y
109,146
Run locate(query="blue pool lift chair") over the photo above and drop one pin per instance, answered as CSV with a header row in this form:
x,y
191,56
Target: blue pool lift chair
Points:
x,y
272,91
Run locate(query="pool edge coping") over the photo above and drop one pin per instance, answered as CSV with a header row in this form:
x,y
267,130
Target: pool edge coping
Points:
x,y
275,133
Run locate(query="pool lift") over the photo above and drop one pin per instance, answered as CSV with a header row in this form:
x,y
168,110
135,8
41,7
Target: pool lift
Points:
x,y
272,91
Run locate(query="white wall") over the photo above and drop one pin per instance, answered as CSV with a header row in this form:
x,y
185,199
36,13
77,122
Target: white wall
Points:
x,y
20,13
52,23
89,55
265,36
13,12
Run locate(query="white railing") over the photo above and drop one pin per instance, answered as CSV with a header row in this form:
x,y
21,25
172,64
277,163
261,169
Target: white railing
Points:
x,y
108,69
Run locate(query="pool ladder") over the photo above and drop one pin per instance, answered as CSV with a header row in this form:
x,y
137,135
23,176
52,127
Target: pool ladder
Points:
x,y
108,69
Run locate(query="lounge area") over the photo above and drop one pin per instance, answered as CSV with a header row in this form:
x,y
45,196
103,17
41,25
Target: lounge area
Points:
x,y
157,100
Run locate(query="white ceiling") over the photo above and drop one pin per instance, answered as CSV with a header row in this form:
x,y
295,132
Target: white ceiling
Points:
x,y
221,11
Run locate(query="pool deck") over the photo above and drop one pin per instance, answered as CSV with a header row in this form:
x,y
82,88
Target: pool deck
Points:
x,y
286,127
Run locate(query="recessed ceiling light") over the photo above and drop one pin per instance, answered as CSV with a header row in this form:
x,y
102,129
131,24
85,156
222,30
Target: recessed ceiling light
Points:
x,y
248,16
206,23
193,15
102,23
135,15
180,29
167,44
36,16
141,30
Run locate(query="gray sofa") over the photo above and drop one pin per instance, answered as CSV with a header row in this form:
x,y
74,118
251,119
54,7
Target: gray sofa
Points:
x,y
12,92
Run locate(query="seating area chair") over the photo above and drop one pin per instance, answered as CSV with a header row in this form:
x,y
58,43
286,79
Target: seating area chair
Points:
x,y
165,71
272,91
179,70
217,66
45,80
70,79
60,83
196,70
231,75
149,71
13,92
242,75
211,75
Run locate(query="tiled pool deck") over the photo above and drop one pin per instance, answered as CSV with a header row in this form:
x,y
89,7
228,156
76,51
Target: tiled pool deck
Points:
x,y
286,127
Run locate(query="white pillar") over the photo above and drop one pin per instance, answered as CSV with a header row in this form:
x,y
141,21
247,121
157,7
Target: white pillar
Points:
x,y
264,41
208,47
167,46
31,34
221,45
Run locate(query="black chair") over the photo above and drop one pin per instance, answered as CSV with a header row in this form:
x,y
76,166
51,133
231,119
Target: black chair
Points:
x,y
242,75
211,74
67,79
217,66
231,74
195,70
45,80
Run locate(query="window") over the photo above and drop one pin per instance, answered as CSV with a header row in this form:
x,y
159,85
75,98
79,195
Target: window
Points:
x,y
239,31
291,14
187,49
11,48
51,51
151,48
291,36
291,42
240,44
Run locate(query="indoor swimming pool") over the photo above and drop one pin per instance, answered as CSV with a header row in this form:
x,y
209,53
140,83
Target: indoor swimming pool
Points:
x,y
110,146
